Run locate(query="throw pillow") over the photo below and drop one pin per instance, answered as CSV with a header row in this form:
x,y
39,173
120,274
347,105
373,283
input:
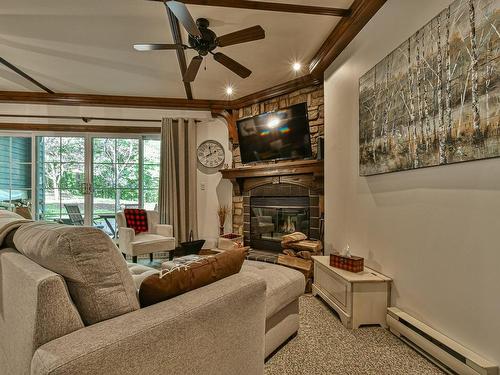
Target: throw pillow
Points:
x,y
185,277
96,274
137,219
293,237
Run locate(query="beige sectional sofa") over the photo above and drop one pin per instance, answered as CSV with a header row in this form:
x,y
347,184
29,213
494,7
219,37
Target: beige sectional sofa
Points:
x,y
228,327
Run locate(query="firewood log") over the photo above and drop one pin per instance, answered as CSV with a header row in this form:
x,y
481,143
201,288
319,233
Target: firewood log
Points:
x,y
289,252
304,254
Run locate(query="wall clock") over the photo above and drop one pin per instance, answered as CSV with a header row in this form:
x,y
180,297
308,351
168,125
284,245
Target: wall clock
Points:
x,y
211,154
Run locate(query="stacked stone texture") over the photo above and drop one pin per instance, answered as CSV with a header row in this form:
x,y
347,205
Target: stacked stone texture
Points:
x,y
314,98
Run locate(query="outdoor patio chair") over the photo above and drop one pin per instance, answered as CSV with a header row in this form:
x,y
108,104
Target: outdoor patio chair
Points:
x,y
75,215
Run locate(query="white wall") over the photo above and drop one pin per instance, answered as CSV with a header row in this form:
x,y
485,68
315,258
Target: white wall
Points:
x,y
435,231
212,189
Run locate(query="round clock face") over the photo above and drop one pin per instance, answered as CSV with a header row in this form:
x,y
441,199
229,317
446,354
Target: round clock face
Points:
x,y
211,154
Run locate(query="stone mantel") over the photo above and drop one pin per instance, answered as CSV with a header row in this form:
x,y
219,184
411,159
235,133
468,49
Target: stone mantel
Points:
x,y
308,173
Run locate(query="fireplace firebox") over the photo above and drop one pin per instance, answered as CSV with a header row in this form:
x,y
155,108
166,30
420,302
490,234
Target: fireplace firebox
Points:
x,y
273,217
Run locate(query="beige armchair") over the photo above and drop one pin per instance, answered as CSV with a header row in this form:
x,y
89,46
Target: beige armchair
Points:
x,y
159,237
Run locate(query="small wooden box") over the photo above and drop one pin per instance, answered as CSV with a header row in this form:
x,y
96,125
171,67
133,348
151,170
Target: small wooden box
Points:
x,y
352,264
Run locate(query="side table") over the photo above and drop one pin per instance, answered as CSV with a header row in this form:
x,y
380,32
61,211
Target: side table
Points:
x,y
359,298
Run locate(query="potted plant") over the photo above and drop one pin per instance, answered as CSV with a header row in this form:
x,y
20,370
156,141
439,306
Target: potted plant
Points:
x,y
222,213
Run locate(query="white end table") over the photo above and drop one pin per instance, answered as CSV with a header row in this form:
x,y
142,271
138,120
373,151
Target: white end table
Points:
x,y
359,298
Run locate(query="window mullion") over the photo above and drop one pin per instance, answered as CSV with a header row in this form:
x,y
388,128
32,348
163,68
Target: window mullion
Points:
x,y
141,172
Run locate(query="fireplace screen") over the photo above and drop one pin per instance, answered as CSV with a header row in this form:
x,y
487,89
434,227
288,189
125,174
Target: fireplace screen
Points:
x,y
273,217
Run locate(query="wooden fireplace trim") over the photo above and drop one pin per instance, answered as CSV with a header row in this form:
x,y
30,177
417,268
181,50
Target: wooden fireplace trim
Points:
x,y
306,173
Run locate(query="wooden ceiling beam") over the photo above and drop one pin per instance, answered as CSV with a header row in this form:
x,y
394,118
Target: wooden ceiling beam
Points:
x,y
25,75
343,33
278,90
111,101
271,7
79,128
181,55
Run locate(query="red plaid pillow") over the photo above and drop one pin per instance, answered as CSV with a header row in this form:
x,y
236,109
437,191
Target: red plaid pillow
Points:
x,y
137,219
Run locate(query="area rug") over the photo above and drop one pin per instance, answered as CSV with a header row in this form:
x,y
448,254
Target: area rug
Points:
x,y
324,346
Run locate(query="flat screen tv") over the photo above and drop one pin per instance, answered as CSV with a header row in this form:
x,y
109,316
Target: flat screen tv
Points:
x,y
279,135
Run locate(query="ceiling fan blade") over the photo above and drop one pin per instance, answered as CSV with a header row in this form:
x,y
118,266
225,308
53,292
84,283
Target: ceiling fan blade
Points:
x,y
232,65
155,46
242,36
192,69
181,12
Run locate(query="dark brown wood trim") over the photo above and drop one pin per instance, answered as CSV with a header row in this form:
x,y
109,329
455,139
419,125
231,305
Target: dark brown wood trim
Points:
x,y
345,31
181,55
272,7
314,167
272,92
245,178
25,75
83,118
80,128
111,101
230,116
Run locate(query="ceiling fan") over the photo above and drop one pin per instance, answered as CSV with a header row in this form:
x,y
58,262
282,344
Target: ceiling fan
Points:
x,y
205,41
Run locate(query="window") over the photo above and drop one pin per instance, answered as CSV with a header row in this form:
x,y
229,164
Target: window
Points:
x,y
15,172
151,173
115,177
91,177
61,178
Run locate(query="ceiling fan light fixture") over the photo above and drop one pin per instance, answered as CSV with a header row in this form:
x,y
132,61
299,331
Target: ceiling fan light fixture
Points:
x,y
204,41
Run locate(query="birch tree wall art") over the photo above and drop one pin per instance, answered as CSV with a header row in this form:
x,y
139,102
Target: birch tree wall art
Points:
x,y
434,99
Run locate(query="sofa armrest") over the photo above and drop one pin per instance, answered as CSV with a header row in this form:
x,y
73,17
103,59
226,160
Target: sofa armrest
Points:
x,y
164,230
125,237
218,329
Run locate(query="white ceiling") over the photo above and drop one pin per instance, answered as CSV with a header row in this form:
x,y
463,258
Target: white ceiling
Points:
x,y
86,46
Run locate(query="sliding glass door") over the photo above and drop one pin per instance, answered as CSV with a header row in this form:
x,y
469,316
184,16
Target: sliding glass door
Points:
x,y
79,179
115,178
61,179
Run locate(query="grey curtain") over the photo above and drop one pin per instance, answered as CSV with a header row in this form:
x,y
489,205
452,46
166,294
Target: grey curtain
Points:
x,y
177,202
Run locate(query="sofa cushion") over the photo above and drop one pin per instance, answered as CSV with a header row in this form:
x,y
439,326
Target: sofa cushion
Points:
x,y
140,272
189,276
96,274
9,222
148,242
284,285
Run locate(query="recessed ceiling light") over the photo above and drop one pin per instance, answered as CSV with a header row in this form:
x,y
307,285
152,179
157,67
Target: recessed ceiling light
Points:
x,y
229,90
296,66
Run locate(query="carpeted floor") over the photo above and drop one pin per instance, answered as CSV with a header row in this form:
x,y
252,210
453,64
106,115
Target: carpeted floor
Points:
x,y
324,346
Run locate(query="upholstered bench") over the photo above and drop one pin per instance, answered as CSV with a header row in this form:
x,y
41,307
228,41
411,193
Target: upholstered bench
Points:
x,y
284,286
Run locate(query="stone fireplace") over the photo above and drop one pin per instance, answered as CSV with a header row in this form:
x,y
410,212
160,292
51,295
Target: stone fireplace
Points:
x,y
272,200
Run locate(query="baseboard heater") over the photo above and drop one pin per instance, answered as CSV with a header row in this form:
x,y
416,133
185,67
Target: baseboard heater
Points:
x,y
449,355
